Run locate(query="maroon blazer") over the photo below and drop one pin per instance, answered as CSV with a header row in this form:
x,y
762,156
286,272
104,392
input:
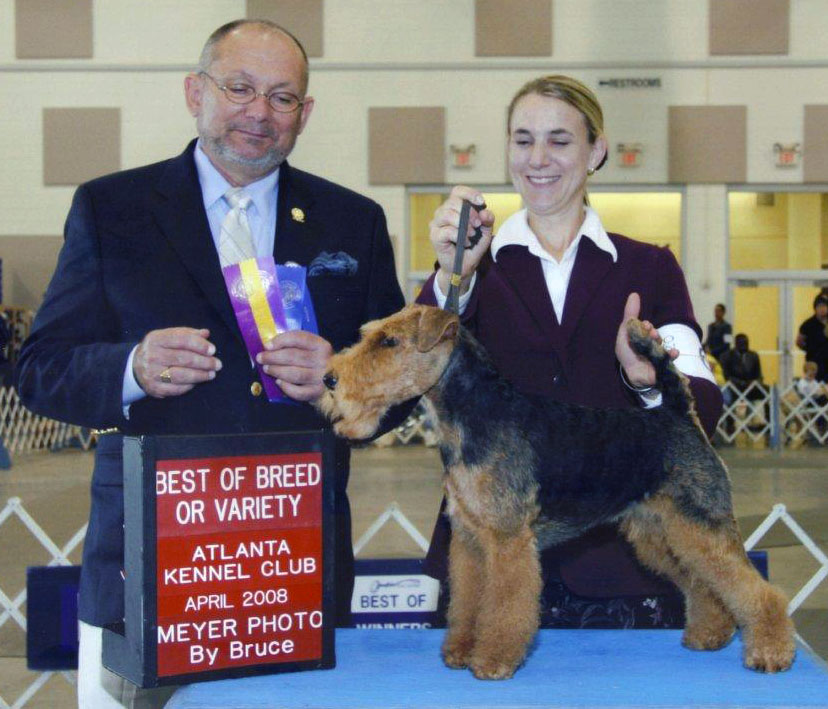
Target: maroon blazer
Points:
x,y
510,312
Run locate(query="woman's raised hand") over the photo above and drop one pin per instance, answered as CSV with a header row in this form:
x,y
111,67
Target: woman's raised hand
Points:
x,y
443,234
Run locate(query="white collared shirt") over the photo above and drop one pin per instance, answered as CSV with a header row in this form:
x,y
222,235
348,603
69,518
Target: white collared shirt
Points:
x,y
516,231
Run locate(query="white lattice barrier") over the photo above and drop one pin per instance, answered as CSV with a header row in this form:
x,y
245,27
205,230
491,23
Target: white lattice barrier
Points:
x,y
780,512
394,512
749,413
803,418
11,606
21,431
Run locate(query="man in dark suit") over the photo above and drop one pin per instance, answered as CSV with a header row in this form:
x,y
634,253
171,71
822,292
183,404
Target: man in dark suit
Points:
x,y
742,366
137,332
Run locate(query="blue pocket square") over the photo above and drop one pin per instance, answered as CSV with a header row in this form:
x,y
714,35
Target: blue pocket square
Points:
x,y
338,264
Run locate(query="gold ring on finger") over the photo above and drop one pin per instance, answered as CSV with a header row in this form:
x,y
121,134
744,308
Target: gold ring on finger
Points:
x,y
166,376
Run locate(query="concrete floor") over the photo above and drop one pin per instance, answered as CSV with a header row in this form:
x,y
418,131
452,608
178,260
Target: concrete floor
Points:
x,y
53,488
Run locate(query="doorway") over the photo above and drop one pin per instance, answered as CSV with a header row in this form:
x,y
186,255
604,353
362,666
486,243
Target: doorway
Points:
x,y
778,262
769,310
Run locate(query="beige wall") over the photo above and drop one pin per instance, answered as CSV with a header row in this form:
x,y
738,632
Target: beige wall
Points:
x,y
416,53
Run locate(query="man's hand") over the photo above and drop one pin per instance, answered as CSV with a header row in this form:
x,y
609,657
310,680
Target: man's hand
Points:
x,y
170,362
640,372
443,235
297,360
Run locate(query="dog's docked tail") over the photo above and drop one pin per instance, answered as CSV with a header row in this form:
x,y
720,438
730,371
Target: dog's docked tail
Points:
x,y
674,388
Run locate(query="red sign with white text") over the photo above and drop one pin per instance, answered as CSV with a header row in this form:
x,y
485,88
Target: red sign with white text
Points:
x,y
239,561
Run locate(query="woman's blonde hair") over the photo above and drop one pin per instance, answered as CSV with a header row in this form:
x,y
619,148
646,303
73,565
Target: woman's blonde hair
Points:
x,y
570,91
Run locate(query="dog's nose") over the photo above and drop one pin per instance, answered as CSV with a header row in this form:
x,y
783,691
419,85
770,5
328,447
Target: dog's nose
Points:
x,y
329,380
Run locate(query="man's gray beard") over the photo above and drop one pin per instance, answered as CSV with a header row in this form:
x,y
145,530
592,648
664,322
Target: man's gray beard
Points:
x,y
262,165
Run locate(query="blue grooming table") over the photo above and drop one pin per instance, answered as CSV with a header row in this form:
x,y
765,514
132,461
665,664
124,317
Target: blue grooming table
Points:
x,y
396,669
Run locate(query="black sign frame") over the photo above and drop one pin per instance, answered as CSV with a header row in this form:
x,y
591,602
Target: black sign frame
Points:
x,y
130,648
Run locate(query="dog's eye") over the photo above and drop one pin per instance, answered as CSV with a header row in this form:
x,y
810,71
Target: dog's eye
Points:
x,y
389,342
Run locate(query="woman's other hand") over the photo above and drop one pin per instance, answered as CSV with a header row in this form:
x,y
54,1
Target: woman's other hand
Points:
x,y
639,371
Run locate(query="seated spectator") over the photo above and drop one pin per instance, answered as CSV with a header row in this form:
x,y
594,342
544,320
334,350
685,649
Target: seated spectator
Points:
x,y
809,387
5,344
741,365
801,405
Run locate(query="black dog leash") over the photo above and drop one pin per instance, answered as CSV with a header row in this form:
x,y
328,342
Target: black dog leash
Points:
x,y
453,299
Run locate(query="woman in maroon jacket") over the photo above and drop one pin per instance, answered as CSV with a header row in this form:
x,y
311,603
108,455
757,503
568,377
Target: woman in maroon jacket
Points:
x,y
547,296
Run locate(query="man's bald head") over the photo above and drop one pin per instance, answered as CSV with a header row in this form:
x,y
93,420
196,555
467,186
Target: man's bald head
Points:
x,y
211,49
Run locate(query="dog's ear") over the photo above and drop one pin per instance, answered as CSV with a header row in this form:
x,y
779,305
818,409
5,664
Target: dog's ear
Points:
x,y
435,326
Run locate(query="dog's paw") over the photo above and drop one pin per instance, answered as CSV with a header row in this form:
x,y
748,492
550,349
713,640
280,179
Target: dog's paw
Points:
x,y
641,341
706,638
456,660
772,657
770,645
492,669
457,653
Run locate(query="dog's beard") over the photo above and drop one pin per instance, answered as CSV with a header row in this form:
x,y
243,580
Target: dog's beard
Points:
x,y
349,421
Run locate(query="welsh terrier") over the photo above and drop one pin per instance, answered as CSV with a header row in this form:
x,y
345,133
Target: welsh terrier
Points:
x,y
523,473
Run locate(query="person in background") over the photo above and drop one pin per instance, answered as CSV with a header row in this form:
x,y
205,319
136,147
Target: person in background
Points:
x,y
137,333
549,297
5,345
719,333
809,387
742,367
813,339
800,406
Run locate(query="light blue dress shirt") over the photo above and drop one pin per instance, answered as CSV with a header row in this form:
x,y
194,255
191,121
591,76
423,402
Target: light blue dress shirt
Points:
x,y
261,214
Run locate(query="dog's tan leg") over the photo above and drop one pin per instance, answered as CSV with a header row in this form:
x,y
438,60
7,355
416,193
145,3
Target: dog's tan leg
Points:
x,y
718,558
466,579
708,624
509,612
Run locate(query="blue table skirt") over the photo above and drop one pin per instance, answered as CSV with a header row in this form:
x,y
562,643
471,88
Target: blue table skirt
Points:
x,y
567,668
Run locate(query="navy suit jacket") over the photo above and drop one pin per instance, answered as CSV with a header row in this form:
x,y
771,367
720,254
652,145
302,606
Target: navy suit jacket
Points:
x,y
511,313
138,256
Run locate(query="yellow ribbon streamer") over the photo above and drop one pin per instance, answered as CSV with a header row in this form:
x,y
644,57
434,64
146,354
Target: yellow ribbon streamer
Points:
x,y
257,298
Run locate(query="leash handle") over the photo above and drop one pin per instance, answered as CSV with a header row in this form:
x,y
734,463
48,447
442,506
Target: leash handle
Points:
x,y
453,298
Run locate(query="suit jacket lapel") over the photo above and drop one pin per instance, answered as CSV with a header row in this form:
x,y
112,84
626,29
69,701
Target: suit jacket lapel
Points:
x,y
298,237
524,274
591,266
180,215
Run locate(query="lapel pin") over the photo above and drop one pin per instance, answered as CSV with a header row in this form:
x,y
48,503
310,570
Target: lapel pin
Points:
x,y
297,215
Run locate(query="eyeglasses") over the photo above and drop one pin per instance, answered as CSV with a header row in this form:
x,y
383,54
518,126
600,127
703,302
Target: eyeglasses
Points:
x,y
279,101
